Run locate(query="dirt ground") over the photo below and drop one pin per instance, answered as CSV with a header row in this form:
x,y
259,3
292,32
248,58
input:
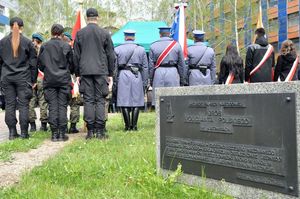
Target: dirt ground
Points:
x,y
10,172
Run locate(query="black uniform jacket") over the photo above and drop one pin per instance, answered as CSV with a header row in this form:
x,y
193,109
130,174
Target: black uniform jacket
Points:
x,y
238,71
255,54
22,68
56,61
93,52
284,66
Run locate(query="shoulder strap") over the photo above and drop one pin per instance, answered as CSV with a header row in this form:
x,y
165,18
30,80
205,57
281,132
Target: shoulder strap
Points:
x,y
165,53
293,70
131,55
264,59
202,56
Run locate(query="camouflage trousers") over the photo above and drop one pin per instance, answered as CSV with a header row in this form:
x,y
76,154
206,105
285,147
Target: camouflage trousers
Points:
x,y
74,110
38,98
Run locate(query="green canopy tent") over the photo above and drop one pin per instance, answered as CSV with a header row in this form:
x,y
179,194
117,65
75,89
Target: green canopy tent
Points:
x,y
146,33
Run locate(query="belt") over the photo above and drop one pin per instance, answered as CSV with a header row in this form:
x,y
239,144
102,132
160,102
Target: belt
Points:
x,y
168,65
199,67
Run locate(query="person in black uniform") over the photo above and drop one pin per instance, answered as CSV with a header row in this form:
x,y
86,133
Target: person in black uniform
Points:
x,y
18,73
94,60
56,61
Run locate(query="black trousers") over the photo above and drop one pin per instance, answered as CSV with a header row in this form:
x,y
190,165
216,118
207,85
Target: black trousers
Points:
x,y
17,94
58,99
94,89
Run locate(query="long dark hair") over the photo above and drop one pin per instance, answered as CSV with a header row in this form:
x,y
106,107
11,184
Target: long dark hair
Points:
x,y
233,60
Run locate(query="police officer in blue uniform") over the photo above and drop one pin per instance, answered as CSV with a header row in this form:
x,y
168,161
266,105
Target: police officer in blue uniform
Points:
x,y
201,62
132,79
172,70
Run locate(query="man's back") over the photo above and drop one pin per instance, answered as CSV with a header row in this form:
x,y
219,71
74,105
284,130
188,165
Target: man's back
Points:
x,y
255,54
93,51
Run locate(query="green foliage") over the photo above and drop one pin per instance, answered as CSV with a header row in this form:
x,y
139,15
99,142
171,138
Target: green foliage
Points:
x,y
124,166
19,145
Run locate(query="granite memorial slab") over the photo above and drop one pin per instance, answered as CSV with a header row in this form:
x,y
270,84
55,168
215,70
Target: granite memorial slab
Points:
x,y
242,137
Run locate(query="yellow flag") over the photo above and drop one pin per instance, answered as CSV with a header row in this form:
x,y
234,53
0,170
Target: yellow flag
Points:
x,y
259,20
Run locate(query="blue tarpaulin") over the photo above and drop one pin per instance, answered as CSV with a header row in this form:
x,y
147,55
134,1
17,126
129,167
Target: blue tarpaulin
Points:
x,y
147,32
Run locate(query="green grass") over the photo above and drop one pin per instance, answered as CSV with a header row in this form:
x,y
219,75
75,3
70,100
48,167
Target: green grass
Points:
x,y
122,167
19,145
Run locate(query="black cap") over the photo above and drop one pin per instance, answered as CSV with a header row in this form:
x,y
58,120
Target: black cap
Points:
x,y
57,29
16,19
91,12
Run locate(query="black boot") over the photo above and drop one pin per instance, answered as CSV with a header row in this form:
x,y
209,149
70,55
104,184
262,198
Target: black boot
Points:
x,y
13,133
62,134
100,134
135,117
32,127
44,126
24,132
126,116
90,134
73,128
55,134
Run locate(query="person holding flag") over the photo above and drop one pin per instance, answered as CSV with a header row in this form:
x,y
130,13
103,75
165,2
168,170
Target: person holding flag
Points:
x,y
260,59
287,63
38,93
166,62
201,61
94,60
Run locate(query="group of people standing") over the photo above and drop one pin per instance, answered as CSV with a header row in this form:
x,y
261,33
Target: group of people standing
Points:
x,y
48,68
98,67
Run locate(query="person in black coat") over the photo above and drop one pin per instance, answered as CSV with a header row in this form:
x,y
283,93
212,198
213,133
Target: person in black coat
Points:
x,y
56,61
94,60
231,66
18,73
255,53
285,62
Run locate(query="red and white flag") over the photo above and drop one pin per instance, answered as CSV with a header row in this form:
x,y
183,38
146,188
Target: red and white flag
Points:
x,y
178,30
80,23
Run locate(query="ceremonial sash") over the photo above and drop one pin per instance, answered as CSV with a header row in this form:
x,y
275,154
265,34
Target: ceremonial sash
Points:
x,y
165,53
264,59
293,70
230,79
40,74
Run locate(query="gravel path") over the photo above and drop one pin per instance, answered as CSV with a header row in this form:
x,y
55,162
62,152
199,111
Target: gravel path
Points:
x,y
10,172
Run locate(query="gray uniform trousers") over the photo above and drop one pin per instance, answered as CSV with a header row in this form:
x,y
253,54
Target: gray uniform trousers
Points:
x,y
57,99
95,90
17,94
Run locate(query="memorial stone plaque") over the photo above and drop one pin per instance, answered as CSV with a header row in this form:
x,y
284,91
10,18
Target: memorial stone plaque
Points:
x,y
246,139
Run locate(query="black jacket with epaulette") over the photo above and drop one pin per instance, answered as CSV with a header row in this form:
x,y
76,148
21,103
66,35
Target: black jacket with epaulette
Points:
x,y
22,68
93,52
56,61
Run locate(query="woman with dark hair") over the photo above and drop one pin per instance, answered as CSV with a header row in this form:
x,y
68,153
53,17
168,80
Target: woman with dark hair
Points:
x,y
18,73
56,61
287,63
231,67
